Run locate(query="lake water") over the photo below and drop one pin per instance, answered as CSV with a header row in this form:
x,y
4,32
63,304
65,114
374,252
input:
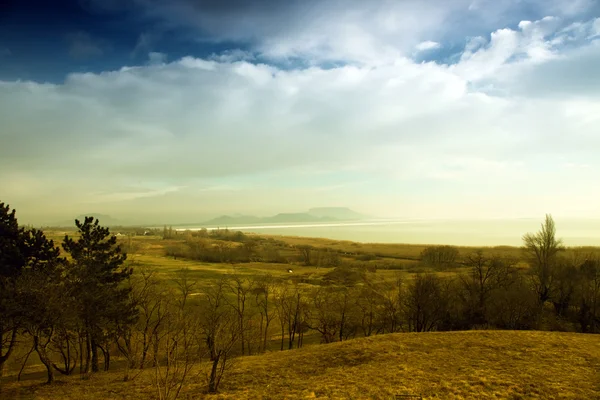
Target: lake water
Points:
x,y
492,232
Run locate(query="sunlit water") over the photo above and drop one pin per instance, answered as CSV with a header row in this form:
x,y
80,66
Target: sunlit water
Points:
x,y
574,232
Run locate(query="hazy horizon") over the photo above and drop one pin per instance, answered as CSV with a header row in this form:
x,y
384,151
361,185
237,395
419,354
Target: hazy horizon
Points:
x,y
173,111
485,232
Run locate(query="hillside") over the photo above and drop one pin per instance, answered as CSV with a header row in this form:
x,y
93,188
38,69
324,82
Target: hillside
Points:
x,y
449,365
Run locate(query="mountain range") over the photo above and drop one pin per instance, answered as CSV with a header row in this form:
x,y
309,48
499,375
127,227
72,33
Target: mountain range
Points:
x,y
321,214
314,215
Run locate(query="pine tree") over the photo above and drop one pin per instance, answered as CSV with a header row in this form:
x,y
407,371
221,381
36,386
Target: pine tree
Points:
x,y
97,281
23,254
40,291
11,265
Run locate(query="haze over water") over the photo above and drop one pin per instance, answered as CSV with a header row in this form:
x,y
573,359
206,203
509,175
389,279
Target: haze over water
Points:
x,y
482,232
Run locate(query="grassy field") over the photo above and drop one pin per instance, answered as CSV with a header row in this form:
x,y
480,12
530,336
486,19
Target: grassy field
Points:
x,y
390,260
445,365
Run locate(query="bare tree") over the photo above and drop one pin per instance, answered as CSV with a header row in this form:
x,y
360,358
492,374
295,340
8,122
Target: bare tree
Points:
x,y
392,312
220,330
240,287
291,307
306,252
589,296
325,319
178,344
542,249
515,306
263,288
152,300
424,303
566,277
485,275
370,303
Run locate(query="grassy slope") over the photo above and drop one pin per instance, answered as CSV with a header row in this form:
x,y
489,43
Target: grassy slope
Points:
x,y
449,365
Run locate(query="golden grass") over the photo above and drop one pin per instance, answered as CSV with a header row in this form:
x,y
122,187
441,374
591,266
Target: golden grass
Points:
x,y
448,365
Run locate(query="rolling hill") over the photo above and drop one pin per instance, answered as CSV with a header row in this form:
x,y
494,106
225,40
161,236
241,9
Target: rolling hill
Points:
x,y
441,365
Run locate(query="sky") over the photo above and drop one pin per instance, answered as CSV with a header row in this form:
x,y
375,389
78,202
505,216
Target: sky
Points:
x,y
168,111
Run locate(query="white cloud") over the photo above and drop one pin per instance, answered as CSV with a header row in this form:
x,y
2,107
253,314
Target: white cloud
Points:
x,y
233,55
428,45
596,28
159,137
355,31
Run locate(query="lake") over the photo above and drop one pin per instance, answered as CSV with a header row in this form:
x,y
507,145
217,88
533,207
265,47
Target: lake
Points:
x,y
482,232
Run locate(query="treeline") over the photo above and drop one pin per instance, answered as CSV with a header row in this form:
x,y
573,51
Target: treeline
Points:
x,y
224,246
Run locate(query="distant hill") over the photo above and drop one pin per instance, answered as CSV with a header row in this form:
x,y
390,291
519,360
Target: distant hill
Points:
x,y
225,220
314,215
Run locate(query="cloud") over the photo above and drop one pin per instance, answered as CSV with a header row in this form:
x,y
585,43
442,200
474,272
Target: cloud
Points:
x,y
233,55
377,31
506,122
510,53
428,45
171,130
82,45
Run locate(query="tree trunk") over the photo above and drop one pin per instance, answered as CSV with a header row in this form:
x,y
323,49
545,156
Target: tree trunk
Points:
x,y
266,335
213,383
145,347
155,348
11,345
41,351
88,354
105,356
80,354
94,346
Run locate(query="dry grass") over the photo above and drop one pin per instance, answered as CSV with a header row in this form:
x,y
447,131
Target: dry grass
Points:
x,y
449,365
